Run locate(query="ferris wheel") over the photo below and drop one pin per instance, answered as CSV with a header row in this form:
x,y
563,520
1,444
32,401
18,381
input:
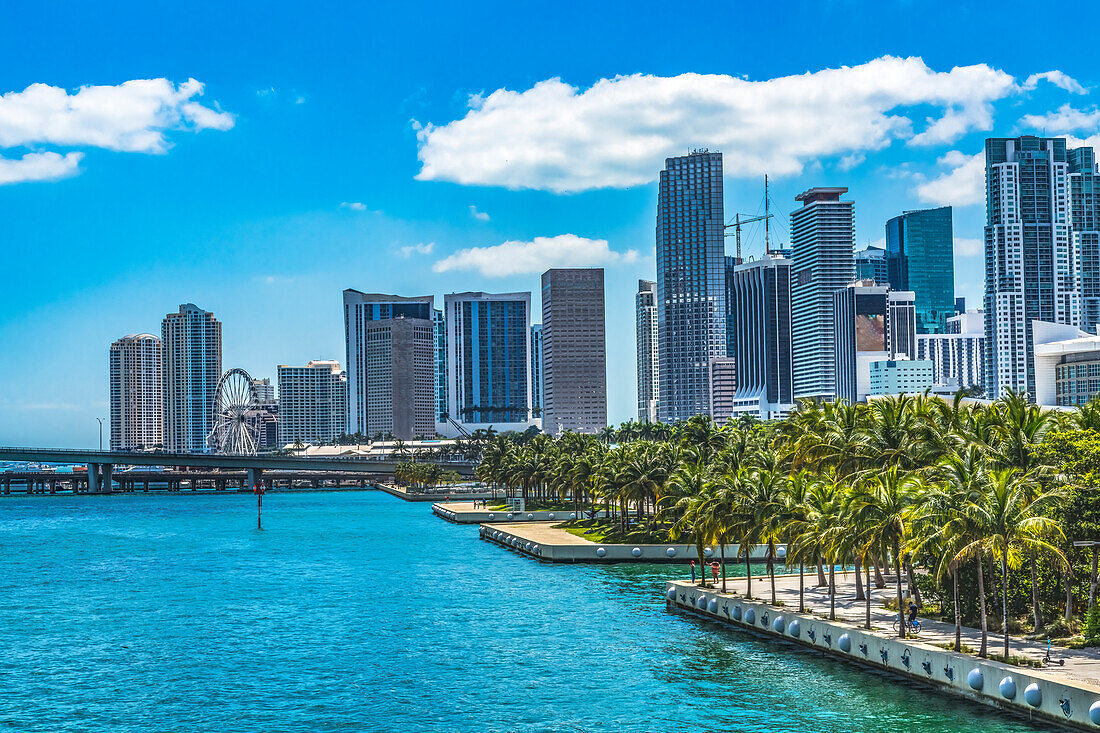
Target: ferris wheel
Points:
x,y
235,398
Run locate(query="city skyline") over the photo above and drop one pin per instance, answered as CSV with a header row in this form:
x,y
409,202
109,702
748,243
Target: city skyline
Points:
x,y
214,198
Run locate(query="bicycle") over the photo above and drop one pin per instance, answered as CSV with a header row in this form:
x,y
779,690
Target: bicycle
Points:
x,y
913,628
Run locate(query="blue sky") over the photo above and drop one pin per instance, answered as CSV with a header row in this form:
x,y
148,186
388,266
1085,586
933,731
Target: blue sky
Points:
x,y
381,147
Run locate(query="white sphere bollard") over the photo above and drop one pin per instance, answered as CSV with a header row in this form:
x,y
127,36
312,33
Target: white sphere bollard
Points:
x,y
636,552
550,515
530,516
671,552
600,552
492,516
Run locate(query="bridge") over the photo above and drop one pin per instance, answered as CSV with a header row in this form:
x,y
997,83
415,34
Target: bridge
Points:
x,y
101,463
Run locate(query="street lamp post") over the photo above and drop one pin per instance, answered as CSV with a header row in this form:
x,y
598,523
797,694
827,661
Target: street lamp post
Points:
x,y
100,432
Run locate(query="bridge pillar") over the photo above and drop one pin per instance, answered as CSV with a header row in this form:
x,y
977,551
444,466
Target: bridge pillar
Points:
x,y
255,475
93,478
105,478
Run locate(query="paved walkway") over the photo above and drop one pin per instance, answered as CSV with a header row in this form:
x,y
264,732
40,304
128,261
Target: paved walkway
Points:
x,y
543,533
1081,664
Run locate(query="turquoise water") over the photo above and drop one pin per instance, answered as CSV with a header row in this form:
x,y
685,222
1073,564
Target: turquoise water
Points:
x,y
359,612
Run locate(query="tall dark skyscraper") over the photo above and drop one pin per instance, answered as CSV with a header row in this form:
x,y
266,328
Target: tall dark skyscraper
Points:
x,y
1031,267
762,289
873,323
192,342
919,257
691,291
731,305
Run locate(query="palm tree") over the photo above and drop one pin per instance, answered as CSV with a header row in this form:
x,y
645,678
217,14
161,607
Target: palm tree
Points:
x,y
1011,523
882,506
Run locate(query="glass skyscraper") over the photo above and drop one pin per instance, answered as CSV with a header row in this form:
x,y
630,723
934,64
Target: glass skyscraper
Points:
x,y
192,342
440,365
691,288
871,265
919,257
488,357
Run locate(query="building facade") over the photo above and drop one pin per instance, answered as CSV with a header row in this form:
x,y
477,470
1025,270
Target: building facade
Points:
x,y
691,307
440,325
1031,265
871,265
920,257
873,323
723,389
823,262
536,370
765,386
645,331
957,356
391,356
489,358
1084,205
192,343
899,376
574,351
313,402
137,392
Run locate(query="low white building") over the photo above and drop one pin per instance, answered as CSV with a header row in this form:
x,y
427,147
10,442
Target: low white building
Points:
x,y
900,376
958,356
1066,364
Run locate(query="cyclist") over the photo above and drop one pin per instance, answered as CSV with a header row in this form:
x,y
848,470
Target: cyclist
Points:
x,y
911,621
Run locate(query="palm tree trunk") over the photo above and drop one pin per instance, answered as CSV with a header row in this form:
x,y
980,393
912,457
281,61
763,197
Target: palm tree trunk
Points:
x,y
832,592
1036,612
821,581
880,582
1067,576
748,572
859,582
901,612
771,568
801,587
867,599
914,589
1004,597
1092,579
722,549
981,607
958,611
702,565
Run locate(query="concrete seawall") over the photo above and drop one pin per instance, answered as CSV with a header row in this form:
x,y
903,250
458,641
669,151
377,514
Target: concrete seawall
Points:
x,y
446,510
548,544
1021,691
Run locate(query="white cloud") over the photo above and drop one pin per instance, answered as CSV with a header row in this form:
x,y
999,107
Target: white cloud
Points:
x,y
522,258
968,247
354,205
479,215
962,185
1058,79
849,162
39,167
132,116
618,132
1066,119
420,249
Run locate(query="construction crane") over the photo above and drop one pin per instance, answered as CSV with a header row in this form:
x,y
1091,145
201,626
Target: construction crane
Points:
x,y
766,218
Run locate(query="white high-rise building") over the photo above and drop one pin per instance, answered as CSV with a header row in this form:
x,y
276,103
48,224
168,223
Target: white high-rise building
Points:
x,y
192,340
312,402
823,235
957,356
137,398
1031,264
645,319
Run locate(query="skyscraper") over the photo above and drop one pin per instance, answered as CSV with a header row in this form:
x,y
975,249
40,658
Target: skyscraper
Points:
x,y
192,341
956,356
691,294
440,325
489,358
731,306
763,360
1084,205
1030,264
823,262
312,402
573,346
920,257
873,323
871,265
391,353
645,327
536,370
136,366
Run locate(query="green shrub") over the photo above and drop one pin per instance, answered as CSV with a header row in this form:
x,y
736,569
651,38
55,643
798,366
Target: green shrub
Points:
x,y
1090,629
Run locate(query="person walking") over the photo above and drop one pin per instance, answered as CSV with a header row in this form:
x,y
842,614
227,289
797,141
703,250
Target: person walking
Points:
x,y
714,570
692,564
